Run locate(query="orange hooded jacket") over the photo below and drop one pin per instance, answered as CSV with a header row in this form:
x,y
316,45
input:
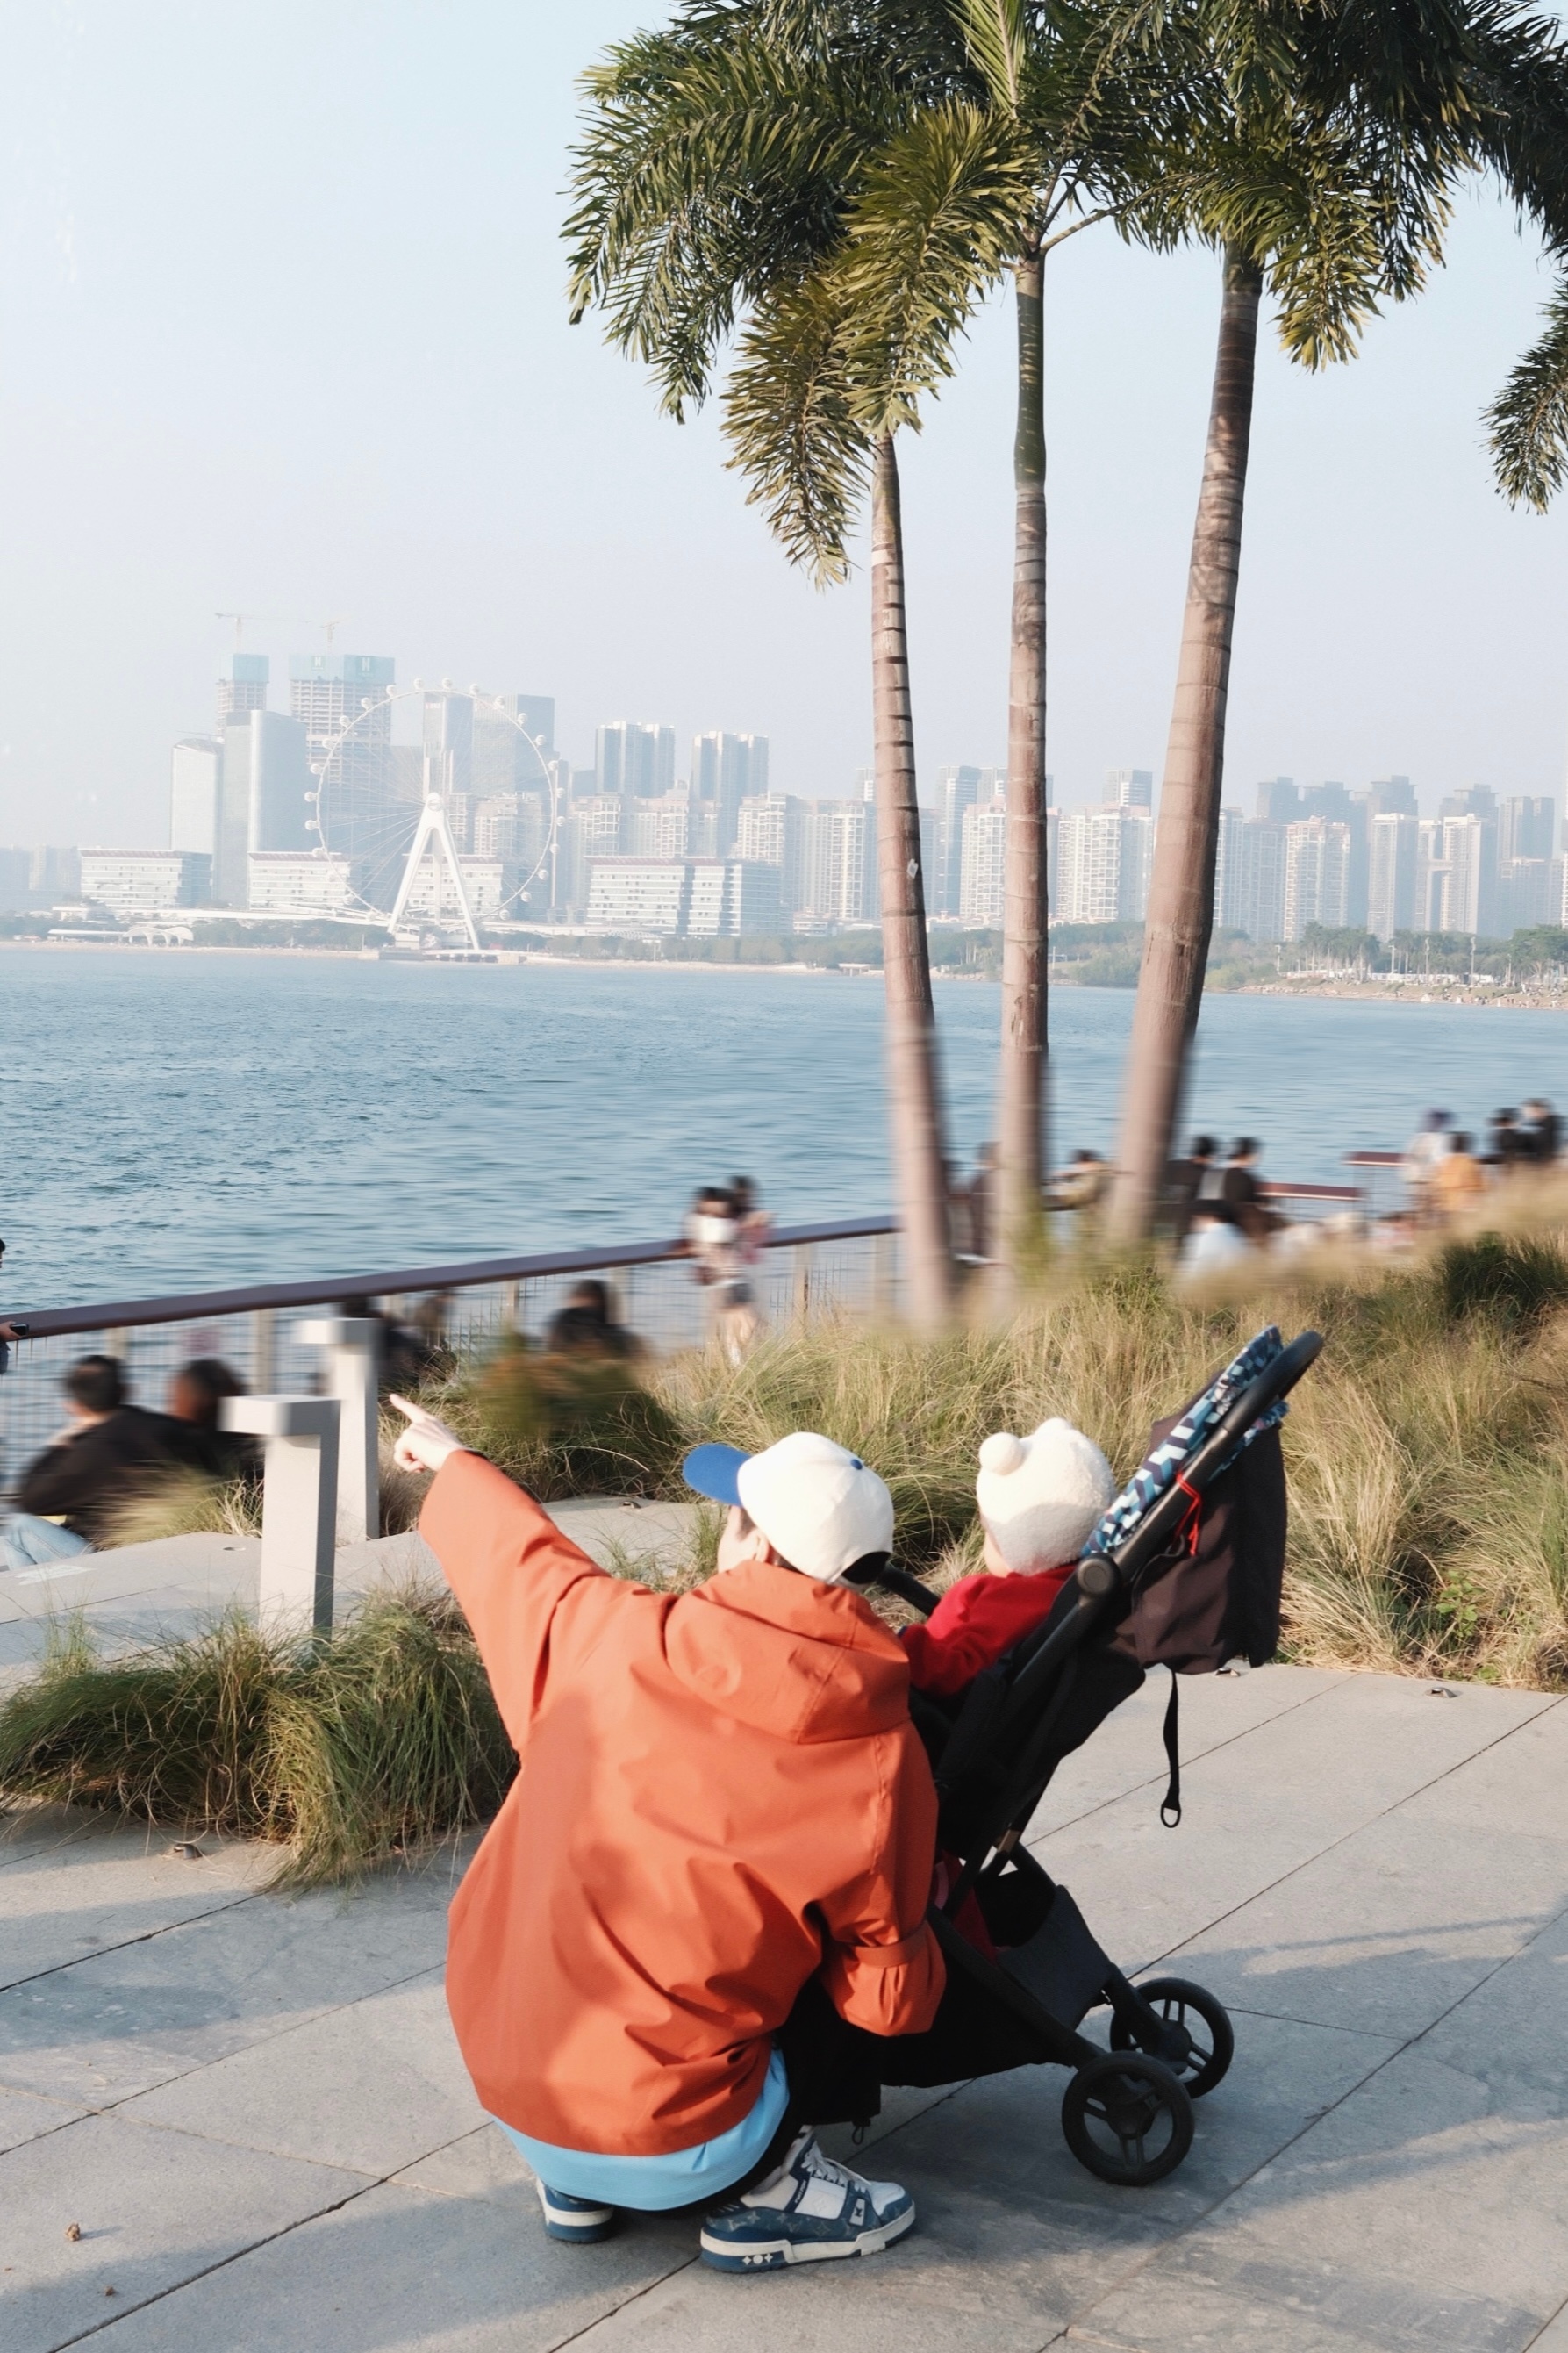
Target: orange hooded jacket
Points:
x,y
721,1795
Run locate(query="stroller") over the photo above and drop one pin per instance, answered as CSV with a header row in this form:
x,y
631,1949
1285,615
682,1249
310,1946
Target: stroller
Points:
x,y
1184,1571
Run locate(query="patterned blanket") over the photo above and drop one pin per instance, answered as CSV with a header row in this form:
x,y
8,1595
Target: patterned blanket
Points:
x,y
1159,1471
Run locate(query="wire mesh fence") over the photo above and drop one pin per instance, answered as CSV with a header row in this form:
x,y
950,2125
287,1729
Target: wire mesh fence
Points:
x,y
435,1315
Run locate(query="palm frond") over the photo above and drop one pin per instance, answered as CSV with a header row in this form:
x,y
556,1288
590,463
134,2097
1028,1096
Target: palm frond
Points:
x,y
995,34
1528,421
940,213
790,421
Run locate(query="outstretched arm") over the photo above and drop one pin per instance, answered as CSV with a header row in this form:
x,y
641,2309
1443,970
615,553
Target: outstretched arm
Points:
x,y
528,1592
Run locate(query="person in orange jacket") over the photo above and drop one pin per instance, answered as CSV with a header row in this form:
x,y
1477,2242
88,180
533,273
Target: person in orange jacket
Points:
x,y
696,1929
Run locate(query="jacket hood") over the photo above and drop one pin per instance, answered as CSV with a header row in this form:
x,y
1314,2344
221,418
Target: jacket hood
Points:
x,y
802,1661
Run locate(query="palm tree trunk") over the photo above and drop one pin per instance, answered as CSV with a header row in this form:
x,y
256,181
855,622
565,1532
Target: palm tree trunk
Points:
x,y
1021,1095
1181,893
914,1097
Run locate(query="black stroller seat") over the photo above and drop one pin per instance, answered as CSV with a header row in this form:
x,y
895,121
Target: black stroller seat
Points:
x,y
1185,1572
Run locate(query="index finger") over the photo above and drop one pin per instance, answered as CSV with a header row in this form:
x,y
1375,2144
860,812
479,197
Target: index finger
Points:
x,y
413,1411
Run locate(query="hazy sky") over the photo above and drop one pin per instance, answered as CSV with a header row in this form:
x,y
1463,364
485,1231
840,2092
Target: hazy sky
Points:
x,y
284,330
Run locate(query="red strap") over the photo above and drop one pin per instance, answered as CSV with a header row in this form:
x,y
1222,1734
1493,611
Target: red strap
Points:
x,y
1194,1518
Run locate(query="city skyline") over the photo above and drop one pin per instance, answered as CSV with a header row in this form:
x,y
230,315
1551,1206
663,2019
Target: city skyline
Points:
x,y
504,497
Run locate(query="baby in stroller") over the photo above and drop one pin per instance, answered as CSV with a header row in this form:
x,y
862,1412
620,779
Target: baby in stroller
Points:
x,y
1040,1499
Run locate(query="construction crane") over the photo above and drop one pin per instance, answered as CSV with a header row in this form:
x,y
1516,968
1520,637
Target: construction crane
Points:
x,y
239,620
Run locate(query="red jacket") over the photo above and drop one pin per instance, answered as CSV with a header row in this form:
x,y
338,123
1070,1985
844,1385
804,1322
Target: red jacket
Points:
x,y
975,1620
721,1795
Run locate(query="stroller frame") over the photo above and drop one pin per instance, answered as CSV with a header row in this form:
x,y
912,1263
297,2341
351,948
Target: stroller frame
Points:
x,y
1139,2093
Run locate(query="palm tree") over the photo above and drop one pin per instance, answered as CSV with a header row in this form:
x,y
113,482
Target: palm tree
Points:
x,y
1331,182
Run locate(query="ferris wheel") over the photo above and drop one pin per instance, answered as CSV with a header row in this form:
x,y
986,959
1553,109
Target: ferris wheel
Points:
x,y
403,788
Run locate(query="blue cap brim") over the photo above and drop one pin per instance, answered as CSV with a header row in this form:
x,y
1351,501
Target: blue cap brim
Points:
x,y
713,1471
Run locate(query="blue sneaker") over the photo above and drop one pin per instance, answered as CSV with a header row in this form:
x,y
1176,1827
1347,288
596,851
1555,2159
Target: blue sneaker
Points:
x,y
578,2219
808,2212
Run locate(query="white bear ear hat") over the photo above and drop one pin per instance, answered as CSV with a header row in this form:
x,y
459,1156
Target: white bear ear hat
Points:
x,y
1040,1498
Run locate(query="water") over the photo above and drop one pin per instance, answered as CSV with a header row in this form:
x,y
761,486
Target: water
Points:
x,y
174,1121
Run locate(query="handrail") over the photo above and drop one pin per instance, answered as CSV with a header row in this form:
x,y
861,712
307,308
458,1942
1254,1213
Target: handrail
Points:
x,y
200,1306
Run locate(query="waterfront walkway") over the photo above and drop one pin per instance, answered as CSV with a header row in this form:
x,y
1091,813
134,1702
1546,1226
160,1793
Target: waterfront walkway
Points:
x,y
252,2111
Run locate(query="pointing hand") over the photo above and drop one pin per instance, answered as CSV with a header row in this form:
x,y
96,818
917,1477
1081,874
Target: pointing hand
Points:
x,y
425,1444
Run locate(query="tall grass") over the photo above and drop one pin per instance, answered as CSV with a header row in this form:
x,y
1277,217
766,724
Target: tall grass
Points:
x,y
1428,1460
346,1752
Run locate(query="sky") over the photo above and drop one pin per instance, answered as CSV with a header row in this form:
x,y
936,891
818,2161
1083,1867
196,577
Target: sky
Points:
x,y
283,331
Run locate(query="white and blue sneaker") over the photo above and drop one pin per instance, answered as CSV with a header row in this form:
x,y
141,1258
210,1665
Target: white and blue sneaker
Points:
x,y
578,2219
808,2212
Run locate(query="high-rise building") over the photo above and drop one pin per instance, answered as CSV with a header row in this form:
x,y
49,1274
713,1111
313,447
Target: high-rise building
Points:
x,y
1471,800
1130,788
1455,881
1229,899
1528,893
957,789
733,898
15,896
280,784
535,714
1527,828
982,868
327,691
1104,859
837,880
1261,882
1391,797
660,829
1317,875
635,759
54,874
590,829
242,689
725,770
195,770
769,830
1279,801
1394,857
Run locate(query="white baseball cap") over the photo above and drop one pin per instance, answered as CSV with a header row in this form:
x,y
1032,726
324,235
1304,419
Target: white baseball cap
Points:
x,y
820,1507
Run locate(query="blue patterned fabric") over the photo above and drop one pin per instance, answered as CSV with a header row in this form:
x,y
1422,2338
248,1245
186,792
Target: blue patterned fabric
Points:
x,y
1158,1471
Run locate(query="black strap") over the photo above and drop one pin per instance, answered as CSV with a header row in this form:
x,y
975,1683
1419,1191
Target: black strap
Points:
x,y
1171,1810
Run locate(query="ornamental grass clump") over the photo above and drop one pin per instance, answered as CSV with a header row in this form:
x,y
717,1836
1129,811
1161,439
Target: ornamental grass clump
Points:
x,y
343,1752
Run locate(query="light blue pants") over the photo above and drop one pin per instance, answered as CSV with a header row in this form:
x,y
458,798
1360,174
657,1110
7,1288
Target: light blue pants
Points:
x,y
27,1543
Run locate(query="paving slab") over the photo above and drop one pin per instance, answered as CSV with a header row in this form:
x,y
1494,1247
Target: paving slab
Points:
x,y
153,2208
115,1883
1379,1877
108,2026
1258,1807
1430,2207
403,2268
373,2085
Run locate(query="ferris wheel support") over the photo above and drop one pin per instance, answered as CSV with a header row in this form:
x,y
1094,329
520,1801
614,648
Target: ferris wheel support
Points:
x,y
434,833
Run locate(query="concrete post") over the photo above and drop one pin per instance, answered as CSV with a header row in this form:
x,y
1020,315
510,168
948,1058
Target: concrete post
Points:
x,y
299,1503
352,1345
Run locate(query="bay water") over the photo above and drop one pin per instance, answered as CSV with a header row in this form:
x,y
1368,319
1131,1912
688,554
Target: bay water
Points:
x,y
176,1121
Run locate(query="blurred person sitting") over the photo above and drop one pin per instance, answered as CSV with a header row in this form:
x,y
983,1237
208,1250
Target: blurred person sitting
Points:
x,y
1215,1241
1457,1180
1082,1184
587,1327
196,1397
1186,1181
108,1452
1541,1132
1240,1186
1432,1142
1506,1144
752,1223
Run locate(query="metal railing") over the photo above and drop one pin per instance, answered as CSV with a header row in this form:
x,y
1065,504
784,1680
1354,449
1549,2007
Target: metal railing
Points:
x,y
849,1265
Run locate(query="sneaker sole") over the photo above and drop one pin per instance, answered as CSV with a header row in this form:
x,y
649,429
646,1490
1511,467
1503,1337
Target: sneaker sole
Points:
x,y
773,2255
575,2230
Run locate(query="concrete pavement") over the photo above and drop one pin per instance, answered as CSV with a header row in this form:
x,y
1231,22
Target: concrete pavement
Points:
x,y
252,2106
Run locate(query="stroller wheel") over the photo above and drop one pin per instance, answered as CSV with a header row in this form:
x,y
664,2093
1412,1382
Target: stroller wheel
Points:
x,y
1128,2119
1197,2041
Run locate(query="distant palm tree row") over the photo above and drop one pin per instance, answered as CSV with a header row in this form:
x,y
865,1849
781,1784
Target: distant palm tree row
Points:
x,y
815,196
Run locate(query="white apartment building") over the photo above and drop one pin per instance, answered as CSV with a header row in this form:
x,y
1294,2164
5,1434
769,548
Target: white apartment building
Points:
x,y
144,881
1317,875
1393,845
1455,881
1104,857
433,900
513,827
661,829
590,829
298,882
638,894
195,773
983,866
733,898
837,877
